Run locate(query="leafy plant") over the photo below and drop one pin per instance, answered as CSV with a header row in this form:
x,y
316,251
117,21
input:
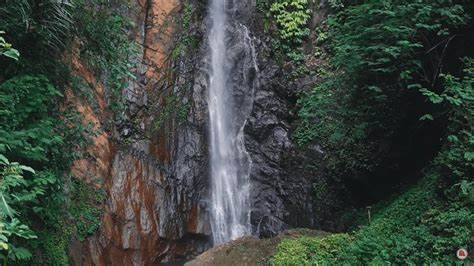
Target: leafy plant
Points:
x,y
457,156
389,74
336,4
49,21
25,123
370,96
7,50
34,130
15,192
85,208
292,17
107,49
310,250
415,228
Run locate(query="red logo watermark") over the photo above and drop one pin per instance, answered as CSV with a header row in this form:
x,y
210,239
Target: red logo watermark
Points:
x,y
461,254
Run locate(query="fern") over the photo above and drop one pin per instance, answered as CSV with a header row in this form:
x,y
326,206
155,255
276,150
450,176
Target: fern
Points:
x,y
51,19
15,190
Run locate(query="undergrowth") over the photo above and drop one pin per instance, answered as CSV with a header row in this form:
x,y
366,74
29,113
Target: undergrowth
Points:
x,y
418,227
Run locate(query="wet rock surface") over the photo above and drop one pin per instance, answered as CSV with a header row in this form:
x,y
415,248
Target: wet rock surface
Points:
x,y
156,177
281,190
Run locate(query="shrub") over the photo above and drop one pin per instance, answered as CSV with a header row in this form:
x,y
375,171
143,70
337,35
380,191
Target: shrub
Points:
x,y
292,17
26,124
310,250
381,91
418,227
15,192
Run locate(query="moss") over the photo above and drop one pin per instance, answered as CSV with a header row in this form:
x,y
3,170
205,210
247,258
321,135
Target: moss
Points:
x,y
415,228
107,50
55,247
81,220
187,42
85,208
173,107
310,250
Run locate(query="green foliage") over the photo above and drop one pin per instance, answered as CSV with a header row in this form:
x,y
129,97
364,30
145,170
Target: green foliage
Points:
x,y
378,65
310,250
82,219
187,16
336,4
7,50
185,45
15,193
28,133
48,22
187,42
416,228
76,215
107,49
457,156
55,246
292,17
291,252
25,123
172,107
324,118
33,129
388,67
85,208
31,132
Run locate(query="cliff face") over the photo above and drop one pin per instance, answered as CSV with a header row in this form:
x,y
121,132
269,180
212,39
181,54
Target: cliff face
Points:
x,y
153,211
153,164
281,188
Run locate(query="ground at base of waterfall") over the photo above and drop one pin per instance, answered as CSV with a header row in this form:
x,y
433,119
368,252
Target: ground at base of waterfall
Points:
x,y
248,250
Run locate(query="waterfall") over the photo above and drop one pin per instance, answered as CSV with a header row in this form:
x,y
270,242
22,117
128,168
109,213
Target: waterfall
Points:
x,y
232,57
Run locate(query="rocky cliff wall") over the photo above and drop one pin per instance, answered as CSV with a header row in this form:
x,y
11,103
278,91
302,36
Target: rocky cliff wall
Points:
x,y
153,163
153,211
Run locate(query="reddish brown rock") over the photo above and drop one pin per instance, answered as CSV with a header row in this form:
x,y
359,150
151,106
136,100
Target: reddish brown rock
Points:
x,y
151,213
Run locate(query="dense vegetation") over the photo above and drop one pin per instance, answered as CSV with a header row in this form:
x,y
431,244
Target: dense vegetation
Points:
x,y
47,137
395,109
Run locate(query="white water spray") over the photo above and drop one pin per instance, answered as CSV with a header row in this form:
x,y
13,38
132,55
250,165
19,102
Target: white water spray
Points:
x,y
230,163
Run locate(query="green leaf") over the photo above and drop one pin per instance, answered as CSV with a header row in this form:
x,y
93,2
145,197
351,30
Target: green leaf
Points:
x,y
453,138
469,155
5,207
426,117
4,160
3,245
375,89
22,254
27,168
12,53
465,186
414,86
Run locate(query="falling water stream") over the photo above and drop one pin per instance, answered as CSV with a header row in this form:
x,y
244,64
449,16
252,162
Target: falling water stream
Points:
x,y
229,161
